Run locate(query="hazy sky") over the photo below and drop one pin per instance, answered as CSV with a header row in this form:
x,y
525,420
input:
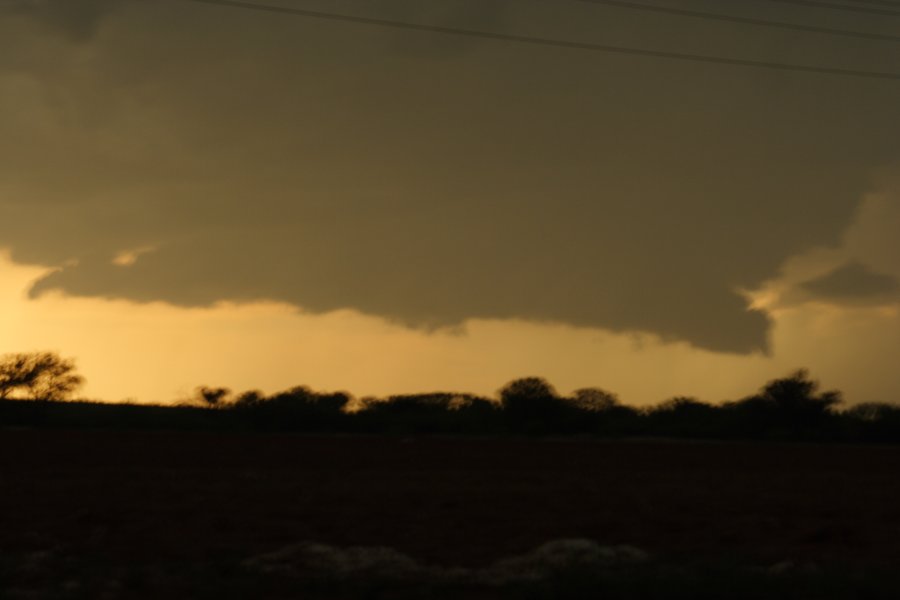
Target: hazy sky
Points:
x,y
197,194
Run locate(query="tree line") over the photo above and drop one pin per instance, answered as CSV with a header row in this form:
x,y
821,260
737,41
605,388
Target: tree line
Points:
x,y
33,387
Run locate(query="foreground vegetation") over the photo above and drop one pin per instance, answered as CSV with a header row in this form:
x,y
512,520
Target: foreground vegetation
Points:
x,y
377,572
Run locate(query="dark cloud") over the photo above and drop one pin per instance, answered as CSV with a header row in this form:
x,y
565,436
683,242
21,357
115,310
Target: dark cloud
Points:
x,y
853,282
77,19
307,162
484,15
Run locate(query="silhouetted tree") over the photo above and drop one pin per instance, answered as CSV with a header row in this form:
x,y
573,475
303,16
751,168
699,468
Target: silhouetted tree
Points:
x,y
297,409
249,398
797,394
683,417
872,411
440,412
594,399
682,405
212,397
800,403
38,375
526,389
876,422
531,405
788,406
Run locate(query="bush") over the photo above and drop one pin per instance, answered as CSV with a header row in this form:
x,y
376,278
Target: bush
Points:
x,y
38,376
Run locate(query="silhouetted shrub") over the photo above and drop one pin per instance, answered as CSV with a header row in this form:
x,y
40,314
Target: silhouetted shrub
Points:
x,y
297,409
38,375
684,417
874,422
248,399
790,408
786,408
597,411
98,415
427,413
594,399
211,397
531,405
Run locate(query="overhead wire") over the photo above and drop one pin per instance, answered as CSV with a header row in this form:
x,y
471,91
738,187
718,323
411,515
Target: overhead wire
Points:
x,y
548,42
878,2
870,10
683,12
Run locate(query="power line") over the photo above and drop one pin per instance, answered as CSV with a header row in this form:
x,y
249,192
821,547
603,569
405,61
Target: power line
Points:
x,y
869,10
681,12
548,42
876,2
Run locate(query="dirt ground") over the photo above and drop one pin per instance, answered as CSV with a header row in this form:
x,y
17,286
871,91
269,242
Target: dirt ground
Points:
x,y
126,497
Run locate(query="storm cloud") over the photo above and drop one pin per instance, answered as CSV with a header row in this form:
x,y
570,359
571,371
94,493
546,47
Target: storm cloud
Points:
x,y
77,20
326,165
853,282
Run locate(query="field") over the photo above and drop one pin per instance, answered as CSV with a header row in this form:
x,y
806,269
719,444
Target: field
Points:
x,y
117,514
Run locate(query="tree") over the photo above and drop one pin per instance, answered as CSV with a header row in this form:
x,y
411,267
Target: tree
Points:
x,y
212,397
296,409
530,404
683,416
684,406
798,393
527,389
38,376
788,406
594,399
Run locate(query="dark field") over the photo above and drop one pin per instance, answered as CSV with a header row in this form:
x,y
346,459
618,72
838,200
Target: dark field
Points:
x,y
77,504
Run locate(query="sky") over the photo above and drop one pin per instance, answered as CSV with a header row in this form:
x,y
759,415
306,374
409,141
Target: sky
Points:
x,y
198,194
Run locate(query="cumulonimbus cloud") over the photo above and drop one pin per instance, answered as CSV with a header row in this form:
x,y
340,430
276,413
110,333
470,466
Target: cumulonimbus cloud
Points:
x,y
853,282
77,19
267,158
